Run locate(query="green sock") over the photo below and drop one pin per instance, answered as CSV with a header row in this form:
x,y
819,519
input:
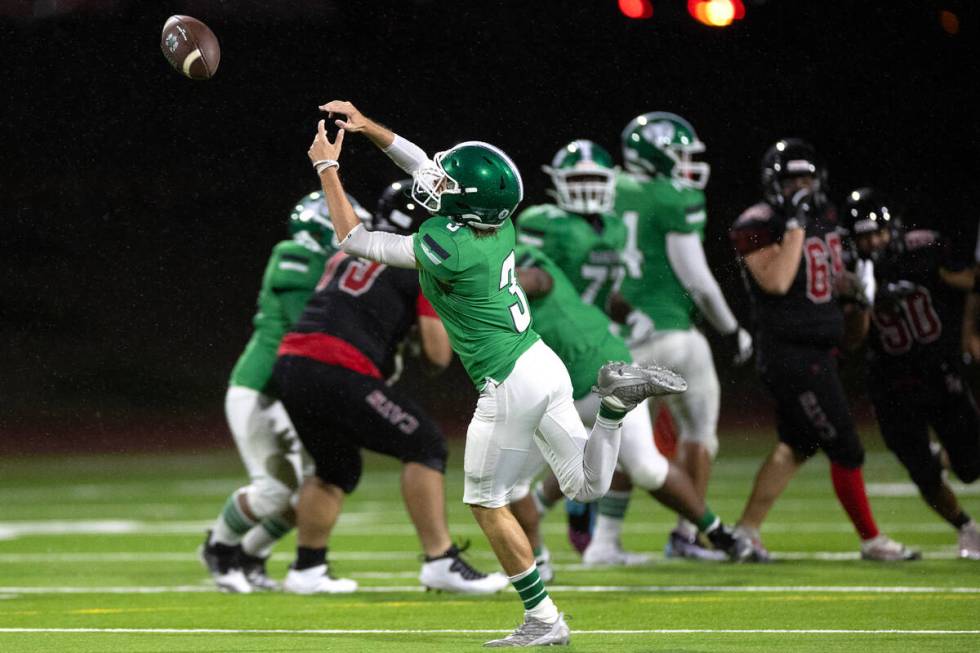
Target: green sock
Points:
x,y
536,551
276,528
614,504
707,520
234,518
608,412
531,589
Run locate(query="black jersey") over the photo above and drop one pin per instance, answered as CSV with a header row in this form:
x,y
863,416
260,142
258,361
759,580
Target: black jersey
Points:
x,y
917,318
367,305
808,313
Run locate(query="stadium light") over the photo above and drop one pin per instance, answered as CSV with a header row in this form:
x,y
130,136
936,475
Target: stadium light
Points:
x,y
636,8
716,13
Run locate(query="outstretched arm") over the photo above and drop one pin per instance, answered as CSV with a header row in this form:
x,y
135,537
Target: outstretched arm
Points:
x,y
390,249
407,155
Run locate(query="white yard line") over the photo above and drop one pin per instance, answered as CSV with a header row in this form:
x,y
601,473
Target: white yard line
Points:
x,y
571,589
475,631
365,523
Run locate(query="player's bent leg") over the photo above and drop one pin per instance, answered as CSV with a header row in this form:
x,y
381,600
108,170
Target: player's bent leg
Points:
x,y
317,510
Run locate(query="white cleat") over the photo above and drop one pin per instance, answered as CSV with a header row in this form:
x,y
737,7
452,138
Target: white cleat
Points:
x,y
316,580
254,569
543,562
969,541
451,573
884,549
631,384
534,632
612,554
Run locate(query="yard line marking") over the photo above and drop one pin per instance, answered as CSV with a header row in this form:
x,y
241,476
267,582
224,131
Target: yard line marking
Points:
x,y
352,524
574,589
475,631
939,553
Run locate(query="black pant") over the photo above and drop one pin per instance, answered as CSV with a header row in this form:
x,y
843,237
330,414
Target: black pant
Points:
x,y
336,412
811,408
908,401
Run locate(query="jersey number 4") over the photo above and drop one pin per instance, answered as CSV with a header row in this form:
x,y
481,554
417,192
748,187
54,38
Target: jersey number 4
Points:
x,y
356,279
520,312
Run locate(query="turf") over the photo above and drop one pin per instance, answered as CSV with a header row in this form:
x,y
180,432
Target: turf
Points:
x,y
89,544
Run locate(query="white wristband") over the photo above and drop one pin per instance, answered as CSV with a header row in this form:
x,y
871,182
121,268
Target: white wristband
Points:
x,y
323,164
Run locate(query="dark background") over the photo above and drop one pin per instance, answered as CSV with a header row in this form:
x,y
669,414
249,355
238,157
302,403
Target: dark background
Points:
x,y
138,208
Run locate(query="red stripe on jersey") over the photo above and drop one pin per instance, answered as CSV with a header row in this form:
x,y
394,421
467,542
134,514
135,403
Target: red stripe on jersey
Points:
x,y
423,308
330,350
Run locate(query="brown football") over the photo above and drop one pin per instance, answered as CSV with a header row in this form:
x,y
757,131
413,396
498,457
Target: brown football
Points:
x,y
190,47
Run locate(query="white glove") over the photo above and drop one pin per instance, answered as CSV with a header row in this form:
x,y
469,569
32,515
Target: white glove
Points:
x,y
743,351
865,271
641,327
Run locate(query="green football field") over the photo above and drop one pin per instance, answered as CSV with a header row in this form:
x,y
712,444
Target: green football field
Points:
x,y
97,553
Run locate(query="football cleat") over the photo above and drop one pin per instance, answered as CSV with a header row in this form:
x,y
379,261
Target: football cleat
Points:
x,y
738,548
254,569
969,541
606,553
681,545
884,549
543,562
316,580
451,573
222,561
631,384
534,632
759,552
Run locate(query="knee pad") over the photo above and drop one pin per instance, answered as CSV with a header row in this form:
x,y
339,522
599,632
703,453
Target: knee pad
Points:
x,y
709,442
268,498
845,450
648,474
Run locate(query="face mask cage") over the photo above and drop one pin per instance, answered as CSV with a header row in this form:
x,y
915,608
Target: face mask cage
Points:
x,y
430,182
583,190
687,171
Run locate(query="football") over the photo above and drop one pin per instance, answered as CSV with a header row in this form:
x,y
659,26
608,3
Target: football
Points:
x,y
191,47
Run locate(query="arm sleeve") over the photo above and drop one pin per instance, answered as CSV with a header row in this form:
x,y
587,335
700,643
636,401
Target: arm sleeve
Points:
x,y
293,302
407,155
687,259
390,249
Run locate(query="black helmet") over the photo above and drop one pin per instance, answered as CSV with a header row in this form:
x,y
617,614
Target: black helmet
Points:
x,y
867,211
790,157
397,211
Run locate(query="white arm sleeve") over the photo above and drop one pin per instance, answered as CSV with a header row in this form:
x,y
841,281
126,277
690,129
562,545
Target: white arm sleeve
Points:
x,y
391,249
687,259
407,155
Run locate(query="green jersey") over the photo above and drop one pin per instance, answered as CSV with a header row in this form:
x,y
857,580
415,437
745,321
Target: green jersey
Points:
x,y
578,332
471,281
290,277
652,208
591,259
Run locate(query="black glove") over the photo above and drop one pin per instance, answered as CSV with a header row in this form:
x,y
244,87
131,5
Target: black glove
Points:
x,y
802,207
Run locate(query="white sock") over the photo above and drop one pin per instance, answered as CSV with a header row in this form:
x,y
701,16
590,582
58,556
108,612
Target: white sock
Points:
x,y
599,458
607,529
546,611
686,528
258,542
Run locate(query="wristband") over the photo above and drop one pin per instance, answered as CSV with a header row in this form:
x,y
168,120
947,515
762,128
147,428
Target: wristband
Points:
x,y
323,164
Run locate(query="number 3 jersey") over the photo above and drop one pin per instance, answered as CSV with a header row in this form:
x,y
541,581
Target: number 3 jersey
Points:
x,y
808,313
471,280
917,318
358,316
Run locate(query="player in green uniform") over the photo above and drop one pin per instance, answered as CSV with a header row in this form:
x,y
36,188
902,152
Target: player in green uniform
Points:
x,y
661,201
259,514
580,335
467,269
585,238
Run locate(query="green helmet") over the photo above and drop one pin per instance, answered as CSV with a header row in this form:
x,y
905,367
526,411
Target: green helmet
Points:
x,y
310,225
584,177
472,183
662,143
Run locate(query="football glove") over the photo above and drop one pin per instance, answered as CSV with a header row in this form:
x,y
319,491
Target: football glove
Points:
x,y
738,344
803,205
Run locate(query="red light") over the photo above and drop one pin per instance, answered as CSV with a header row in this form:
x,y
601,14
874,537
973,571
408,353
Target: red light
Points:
x,y
636,8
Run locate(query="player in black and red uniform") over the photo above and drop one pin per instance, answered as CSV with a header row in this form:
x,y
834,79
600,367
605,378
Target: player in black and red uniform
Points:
x,y
331,376
791,252
914,364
